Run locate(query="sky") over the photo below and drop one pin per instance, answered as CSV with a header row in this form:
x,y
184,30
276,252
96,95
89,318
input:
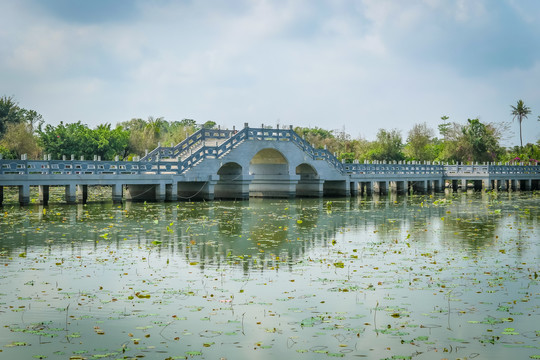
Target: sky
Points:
x,y
352,65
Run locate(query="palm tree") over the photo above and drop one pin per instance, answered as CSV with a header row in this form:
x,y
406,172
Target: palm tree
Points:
x,y
520,111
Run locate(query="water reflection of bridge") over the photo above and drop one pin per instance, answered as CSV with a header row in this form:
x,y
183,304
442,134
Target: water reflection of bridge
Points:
x,y
256,162
263,234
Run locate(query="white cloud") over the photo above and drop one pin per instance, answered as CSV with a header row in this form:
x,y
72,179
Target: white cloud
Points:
x,y
363,65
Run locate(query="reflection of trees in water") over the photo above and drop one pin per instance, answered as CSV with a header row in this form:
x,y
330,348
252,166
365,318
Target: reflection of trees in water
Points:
x,y
258,233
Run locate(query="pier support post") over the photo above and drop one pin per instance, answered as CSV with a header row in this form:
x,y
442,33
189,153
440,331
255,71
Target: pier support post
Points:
x,y
375,188
160,192
82,193
24,194
464,185
43,195
209,190
438,185
1,195
502,185
71,194
405,185
354,188
171,191
117,194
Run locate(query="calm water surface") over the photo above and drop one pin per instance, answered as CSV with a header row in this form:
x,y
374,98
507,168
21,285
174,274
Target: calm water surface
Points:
x,y
416,277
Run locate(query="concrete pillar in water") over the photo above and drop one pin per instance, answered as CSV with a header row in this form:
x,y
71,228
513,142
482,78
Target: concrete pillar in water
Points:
x,y
209,190
71,194
438,185
464,185
375,189
24,194
82,193
43,194
117,193
160,192
354,188
502,184
171,191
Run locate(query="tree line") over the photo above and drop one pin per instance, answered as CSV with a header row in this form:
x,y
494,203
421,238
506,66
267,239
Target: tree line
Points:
x,y
24,131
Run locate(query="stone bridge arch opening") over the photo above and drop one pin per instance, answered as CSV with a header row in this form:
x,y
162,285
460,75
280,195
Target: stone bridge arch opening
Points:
x,y
309,184
268,162
232,183
270,171
230,170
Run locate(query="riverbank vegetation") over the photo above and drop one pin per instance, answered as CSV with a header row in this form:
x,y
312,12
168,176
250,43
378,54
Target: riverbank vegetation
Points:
x,y
24,131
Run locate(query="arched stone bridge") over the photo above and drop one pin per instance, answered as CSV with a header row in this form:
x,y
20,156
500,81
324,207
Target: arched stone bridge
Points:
x,y
230,164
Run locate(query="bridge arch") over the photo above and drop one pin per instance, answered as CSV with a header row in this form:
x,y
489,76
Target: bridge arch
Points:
x,y
306,171
268,161
231,183
309,184
229,170
270,171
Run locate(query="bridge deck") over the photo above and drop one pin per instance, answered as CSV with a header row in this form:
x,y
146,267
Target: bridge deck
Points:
x,y
303,169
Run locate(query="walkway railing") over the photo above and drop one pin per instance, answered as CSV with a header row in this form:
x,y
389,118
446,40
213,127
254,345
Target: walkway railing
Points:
x,y
394,169
76,167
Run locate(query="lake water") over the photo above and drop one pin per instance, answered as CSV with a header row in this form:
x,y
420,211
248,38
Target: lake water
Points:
x,y
452,276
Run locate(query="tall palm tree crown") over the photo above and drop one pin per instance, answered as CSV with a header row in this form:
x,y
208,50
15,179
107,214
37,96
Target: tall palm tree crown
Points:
x,y
520,111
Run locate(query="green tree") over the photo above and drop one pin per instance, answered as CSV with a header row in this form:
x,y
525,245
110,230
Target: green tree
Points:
x,y
520,111
209,125
154,127
474,141
19,139
528,153
10,113
108,143
79,140
444,127
388,146
188,123
420,143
